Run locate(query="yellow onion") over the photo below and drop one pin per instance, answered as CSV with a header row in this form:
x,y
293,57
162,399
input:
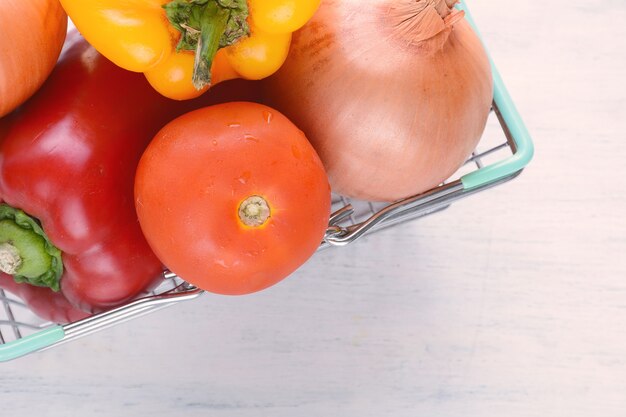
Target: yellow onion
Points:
x,y
393,94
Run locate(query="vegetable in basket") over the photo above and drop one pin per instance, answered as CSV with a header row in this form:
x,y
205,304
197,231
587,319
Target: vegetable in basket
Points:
x,y
184,46
393,94
248,200
45,303
67,164
32,36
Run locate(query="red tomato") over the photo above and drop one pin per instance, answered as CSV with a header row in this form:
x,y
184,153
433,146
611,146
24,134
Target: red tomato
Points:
x,y
232,197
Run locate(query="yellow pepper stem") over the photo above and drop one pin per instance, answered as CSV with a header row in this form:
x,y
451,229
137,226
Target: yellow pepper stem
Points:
x,y
212,25
206,26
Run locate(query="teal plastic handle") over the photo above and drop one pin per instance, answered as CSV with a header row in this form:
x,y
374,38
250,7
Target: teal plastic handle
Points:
x,y
523,143
31,343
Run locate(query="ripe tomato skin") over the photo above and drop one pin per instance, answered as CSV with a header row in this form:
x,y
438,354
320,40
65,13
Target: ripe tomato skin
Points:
x,y
195,174
67,158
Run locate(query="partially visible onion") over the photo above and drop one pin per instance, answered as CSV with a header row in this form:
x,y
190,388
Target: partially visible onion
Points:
x,y
33,32
393,94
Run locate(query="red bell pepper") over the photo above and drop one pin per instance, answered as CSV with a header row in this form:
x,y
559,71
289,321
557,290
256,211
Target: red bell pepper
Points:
x,y
67,160
44,302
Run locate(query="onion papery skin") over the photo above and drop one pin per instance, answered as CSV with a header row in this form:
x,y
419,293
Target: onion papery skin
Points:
x,y
393,94
33,32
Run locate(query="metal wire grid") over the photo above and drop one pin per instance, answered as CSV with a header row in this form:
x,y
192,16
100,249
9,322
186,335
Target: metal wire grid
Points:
x,y
10,320
357,218
17,321
351,219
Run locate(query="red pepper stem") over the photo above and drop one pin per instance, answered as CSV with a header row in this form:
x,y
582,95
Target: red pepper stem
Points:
x,y
26,253
10,259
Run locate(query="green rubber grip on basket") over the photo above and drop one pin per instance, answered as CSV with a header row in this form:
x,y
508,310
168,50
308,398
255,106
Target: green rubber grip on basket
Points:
x,y
31,343
524,148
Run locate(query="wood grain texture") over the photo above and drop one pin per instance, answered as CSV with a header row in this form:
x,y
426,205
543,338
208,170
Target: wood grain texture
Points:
x,y
511,302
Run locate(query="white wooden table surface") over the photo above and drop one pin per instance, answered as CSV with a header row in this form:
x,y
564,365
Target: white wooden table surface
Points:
x,y
510,303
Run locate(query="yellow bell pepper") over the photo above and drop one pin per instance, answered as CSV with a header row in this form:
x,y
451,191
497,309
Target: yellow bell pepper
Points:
x,y
185,46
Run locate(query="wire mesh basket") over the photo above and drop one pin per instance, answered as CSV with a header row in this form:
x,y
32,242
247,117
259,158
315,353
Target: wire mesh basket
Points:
x,y
504,150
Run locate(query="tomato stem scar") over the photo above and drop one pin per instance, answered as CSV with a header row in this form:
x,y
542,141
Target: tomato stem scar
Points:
x,y
254,211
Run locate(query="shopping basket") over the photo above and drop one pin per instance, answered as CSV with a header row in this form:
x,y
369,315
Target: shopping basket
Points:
x,y
503,152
